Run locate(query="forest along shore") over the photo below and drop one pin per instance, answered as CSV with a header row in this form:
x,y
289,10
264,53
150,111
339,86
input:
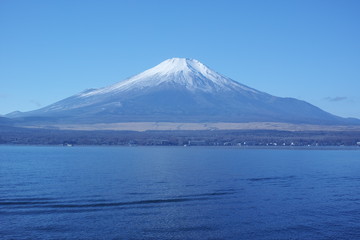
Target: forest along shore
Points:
x,y
29,136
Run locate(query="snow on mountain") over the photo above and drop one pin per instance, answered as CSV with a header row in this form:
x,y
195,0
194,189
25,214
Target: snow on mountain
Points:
x,y
189,73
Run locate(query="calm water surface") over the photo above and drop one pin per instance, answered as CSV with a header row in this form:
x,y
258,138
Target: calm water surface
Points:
x,y
178,193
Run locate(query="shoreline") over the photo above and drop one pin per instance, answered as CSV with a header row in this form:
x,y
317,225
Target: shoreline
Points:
x,y
356,148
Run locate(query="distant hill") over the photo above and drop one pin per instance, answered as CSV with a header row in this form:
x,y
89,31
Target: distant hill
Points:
x,y
178,90
5,121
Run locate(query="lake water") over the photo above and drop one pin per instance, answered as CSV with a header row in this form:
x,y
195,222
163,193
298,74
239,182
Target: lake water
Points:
x,y
178,193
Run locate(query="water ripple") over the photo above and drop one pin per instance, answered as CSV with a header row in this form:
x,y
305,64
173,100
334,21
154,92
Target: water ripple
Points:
x,y
271,178
46,204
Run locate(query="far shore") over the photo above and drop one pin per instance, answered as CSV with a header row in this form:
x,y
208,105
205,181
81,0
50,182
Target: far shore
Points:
x,y
211,126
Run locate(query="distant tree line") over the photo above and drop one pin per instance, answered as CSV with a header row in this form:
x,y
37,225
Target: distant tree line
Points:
x,y
27,136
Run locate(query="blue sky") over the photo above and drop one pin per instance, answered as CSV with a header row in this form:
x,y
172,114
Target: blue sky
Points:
x,y
309,50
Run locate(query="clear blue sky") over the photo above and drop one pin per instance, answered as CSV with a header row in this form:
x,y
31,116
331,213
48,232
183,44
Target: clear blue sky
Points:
x,y
309,50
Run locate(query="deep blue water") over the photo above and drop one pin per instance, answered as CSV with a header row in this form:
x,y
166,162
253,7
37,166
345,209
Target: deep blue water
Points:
x,y
178,193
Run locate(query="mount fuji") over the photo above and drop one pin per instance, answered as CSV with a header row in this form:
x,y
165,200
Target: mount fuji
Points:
x,y
179,90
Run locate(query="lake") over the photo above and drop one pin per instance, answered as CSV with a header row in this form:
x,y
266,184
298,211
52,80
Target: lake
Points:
x,y
178,193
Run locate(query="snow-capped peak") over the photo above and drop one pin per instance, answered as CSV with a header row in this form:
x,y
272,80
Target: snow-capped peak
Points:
x,y
184,72
176,65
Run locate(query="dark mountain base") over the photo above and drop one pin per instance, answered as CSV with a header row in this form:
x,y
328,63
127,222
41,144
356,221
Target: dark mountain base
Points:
x,y
20,136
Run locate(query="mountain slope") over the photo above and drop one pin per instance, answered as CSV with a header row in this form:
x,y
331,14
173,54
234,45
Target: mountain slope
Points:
x,y
179,90
5,121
